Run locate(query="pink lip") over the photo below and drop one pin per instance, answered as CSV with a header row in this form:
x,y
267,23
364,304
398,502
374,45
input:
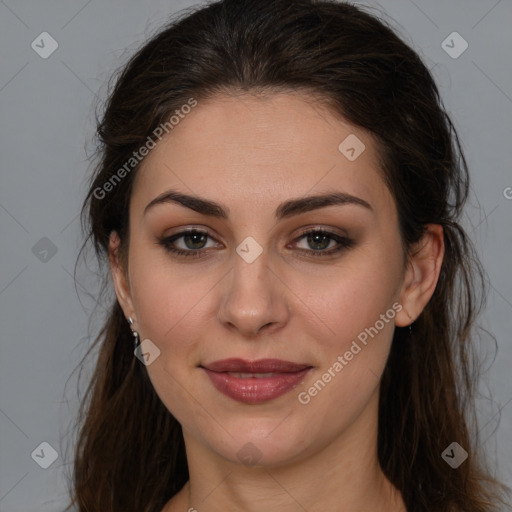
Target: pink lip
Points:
x,y
253,390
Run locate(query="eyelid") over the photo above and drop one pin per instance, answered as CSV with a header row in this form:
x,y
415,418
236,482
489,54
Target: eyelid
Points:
x,y
343,241
324,229
180,234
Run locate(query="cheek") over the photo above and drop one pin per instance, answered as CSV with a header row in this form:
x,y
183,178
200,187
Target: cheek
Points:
x,y
351,298
167,296
171,313
350,359
355,315
352,356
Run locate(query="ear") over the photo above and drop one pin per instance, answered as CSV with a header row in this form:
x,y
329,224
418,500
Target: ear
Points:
x,y
421,275
120,276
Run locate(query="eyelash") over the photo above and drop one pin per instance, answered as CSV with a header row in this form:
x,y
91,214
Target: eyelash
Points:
x,y
344,243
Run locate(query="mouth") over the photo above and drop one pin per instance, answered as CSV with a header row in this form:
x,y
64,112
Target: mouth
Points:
x,y
254,382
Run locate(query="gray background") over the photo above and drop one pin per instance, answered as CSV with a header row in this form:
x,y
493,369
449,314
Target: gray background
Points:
x,y
47,108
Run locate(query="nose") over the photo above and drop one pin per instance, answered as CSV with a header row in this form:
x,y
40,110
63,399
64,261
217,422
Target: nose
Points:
x,y
254,300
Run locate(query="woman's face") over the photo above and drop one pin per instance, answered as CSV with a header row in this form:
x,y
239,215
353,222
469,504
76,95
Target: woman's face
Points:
x,y
254,287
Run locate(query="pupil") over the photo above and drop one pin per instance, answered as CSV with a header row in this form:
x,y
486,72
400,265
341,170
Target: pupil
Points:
x,y
313,238
194,236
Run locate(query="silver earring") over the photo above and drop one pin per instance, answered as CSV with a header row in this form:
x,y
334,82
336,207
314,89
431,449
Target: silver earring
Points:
x,y
136,339
410,330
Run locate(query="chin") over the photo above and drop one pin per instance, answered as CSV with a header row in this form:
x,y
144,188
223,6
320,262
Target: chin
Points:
x,y
263,442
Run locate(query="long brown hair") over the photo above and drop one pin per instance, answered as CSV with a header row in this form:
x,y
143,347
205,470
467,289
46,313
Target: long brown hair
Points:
x,y
130,453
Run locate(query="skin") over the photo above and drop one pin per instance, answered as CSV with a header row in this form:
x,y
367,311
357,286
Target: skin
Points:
x,y
250,153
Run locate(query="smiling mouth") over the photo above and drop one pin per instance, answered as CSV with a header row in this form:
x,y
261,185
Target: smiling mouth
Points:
x,y
257,381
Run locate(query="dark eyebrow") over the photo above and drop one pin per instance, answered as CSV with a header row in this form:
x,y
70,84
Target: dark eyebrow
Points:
x,y
284,210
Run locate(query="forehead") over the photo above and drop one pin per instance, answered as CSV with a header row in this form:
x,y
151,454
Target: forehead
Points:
x,y
263,147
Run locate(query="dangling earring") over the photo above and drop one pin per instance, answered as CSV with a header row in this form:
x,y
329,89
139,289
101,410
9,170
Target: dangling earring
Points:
x,y
136,339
